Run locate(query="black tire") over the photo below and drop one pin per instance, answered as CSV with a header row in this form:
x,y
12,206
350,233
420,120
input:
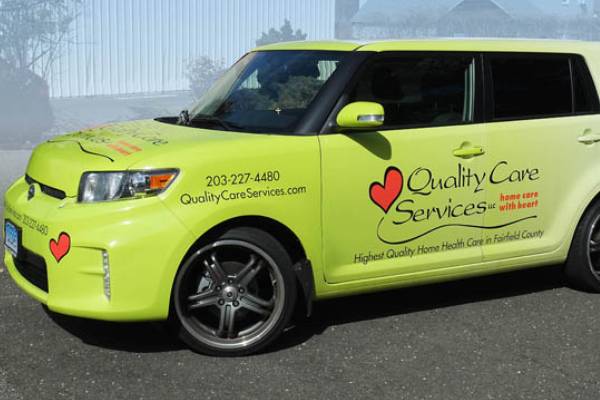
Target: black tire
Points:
x,y
583,263
211,313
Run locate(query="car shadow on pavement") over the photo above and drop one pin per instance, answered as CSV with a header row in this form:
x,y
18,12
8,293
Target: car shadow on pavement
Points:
x,y
134,337
155,337
420,298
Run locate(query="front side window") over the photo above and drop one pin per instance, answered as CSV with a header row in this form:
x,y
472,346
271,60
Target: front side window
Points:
x,y
268,91
420,90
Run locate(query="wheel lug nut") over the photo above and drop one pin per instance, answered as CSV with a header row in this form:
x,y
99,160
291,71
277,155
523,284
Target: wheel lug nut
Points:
x,y
242,290
229,294
221,302
235,303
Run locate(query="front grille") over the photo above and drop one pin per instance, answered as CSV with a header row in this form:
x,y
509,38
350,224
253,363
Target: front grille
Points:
x,y
32,267
50,191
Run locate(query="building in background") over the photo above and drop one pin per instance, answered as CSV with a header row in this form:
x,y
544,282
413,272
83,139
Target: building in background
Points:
x,y
572,19
144,46
118,47
344,12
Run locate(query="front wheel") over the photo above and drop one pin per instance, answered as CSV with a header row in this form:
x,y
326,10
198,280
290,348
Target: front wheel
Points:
x,y
583,264
235,295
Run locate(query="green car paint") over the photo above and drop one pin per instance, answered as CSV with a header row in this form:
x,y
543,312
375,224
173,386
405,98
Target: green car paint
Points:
x,y
146,239
371,209
361,115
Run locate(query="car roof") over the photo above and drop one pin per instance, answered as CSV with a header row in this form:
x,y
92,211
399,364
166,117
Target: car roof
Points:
x,y
451,44
332,45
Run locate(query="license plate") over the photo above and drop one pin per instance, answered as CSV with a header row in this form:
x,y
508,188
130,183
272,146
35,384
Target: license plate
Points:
x,y
11,238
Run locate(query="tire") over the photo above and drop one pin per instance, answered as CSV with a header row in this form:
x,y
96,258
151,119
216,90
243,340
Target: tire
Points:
x,y
583,263
235,295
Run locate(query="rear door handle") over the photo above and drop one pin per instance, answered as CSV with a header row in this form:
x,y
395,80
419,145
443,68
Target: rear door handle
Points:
x,y
468,152
589,138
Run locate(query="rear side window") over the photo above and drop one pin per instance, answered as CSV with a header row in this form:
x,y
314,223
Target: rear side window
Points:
x,y
419,90
538,86
525,87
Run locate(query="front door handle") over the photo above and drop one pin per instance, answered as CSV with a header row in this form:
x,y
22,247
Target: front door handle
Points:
x,y
589,138
468,151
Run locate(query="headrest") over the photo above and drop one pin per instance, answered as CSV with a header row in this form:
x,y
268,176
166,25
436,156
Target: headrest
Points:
x,y
385,85
304,69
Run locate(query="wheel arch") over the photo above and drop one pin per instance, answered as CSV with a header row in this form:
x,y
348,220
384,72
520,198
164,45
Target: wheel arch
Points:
x,y
591,199
280,231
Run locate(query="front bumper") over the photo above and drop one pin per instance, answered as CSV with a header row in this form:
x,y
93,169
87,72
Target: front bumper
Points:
x,y
142,239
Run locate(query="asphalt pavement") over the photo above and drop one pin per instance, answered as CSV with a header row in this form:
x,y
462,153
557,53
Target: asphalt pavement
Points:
x,y
522,335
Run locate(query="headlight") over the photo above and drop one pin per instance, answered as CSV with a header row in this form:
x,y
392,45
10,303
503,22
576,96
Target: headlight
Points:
x,y
107,186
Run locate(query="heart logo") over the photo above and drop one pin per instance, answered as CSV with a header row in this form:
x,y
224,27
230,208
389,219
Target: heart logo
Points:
x,y
59,248
385,195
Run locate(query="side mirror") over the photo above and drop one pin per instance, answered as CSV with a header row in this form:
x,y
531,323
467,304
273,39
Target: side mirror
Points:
x,y
360,115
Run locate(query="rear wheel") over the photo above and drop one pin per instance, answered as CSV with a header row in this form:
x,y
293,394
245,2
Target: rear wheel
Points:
x,y
583,264
235,295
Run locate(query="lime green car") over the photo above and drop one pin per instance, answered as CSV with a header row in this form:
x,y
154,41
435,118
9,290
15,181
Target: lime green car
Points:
x,y
312,170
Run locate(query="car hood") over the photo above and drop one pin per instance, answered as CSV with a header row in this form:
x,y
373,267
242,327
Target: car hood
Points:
x,y
60,162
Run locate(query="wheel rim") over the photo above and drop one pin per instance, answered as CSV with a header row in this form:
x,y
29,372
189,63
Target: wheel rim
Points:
x,y
593,244
229,294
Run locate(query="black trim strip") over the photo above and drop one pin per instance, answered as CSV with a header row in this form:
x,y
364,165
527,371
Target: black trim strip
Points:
x,y
49,190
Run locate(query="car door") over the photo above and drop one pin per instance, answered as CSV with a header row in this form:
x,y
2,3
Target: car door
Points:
x,y
409,196
541,110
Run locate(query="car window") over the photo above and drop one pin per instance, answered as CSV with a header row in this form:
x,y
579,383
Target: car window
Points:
x,y
530,86
325,69
420,90
585,94
268,91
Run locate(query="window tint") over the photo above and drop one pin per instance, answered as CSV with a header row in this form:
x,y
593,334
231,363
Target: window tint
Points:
x,y
420,90
526,86
585,95
267,91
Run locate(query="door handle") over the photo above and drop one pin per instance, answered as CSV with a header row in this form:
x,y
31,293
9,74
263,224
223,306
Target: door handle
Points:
x,y
589,138
468,152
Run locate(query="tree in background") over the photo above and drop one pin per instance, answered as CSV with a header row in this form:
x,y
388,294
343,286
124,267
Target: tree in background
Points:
x,y
31,32
202,73
284,34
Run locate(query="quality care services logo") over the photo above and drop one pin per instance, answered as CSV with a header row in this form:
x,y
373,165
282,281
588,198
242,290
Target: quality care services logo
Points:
x,y
402,200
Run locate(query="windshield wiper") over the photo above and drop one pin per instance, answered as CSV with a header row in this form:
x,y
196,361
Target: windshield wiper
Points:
x,y
201,118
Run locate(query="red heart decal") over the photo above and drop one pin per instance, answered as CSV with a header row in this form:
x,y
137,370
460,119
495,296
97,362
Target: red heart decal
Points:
x,y
385,195
59,248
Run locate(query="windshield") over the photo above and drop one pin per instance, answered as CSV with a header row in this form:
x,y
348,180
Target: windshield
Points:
x,y
268,91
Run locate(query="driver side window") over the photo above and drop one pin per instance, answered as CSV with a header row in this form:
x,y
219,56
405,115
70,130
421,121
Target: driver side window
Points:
x,y
420,90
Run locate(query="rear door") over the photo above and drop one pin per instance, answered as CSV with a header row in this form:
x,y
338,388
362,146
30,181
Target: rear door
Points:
x,y
541,108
